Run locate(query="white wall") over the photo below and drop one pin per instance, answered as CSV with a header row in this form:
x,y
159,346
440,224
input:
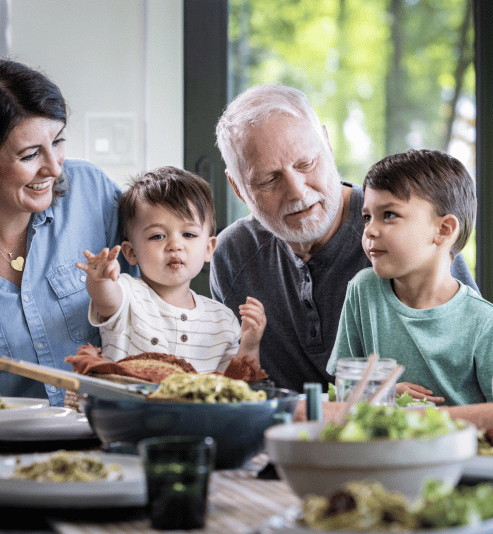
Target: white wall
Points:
x,y
119,65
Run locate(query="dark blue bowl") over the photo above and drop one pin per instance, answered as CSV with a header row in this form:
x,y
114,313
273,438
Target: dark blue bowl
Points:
x,y
238,428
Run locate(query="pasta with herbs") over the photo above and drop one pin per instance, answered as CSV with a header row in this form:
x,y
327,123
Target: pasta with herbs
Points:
x,y
206,388
66,467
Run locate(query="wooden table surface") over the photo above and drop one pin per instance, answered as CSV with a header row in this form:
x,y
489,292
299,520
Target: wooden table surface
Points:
x,y
240,502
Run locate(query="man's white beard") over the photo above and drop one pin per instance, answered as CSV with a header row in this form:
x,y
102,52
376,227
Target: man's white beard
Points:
x,y
313,227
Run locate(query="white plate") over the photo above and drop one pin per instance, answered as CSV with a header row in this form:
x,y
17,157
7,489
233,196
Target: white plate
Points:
x,y
479,466
52,423
287,525
25,408
130,491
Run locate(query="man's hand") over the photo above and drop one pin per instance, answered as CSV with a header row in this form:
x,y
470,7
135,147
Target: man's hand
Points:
x,y
104,266
418,392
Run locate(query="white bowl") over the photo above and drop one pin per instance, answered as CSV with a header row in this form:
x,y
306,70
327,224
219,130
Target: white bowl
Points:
x,y
319,467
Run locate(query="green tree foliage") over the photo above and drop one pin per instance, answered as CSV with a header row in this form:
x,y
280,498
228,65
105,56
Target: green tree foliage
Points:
x,y
383,75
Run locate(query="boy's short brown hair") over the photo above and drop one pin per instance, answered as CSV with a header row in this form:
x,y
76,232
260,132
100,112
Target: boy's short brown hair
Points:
x,y
173,188
434,176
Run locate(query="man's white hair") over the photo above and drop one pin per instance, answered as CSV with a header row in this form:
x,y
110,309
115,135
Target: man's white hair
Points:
x,y
251,108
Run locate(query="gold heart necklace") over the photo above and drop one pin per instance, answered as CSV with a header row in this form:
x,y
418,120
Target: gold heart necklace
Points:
x,y
18,264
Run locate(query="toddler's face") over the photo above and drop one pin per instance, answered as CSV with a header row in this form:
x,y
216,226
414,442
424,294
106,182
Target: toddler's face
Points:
x,y
399,236
169,250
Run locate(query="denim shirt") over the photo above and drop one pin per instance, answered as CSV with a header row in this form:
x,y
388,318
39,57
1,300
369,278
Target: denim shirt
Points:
x,y
45,320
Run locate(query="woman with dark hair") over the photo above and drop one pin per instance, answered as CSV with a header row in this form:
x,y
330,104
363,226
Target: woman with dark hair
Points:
x,y
51,209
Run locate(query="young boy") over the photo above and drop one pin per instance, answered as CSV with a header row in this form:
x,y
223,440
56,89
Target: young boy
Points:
x,y
419,210
168,221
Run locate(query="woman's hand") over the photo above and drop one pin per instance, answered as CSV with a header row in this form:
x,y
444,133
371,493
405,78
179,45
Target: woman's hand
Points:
x,y
417,392
103,266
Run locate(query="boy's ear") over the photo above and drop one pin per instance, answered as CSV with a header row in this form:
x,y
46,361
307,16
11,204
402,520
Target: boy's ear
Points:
x,y
211,247
129,252
234,186
449,227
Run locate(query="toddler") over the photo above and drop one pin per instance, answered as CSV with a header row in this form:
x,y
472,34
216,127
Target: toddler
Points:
x,y
168,223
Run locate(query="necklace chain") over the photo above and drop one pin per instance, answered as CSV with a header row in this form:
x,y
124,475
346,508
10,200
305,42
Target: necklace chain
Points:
x,y
16,263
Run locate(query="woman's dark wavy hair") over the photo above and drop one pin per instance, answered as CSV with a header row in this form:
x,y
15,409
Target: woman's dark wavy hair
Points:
x,y
27,93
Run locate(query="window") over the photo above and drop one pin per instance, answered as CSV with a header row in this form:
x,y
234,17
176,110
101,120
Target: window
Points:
x,y
383,76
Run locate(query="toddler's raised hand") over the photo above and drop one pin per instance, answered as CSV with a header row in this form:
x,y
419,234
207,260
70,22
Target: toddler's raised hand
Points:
x,y
253,322
103,266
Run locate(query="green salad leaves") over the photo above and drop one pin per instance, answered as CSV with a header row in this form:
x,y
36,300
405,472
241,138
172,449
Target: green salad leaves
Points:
x,y
367,422
368,506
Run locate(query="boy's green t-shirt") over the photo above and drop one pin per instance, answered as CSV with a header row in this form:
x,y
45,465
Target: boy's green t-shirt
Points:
x,y
447,349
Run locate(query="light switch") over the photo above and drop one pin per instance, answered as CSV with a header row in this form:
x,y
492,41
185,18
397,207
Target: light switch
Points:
x,y
111,138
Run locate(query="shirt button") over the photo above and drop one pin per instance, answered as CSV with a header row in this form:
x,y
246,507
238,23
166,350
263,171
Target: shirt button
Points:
x,y
154,341
40,345
83,278
184,338
183,317
53,389
26,298
313,333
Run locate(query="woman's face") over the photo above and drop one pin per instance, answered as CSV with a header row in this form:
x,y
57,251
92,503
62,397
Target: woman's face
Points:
x,y
30,161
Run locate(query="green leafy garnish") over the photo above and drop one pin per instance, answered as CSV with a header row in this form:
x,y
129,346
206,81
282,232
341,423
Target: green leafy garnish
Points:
x,y
367,422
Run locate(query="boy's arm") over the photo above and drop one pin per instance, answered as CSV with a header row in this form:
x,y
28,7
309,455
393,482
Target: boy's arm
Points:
x,y
348,343
102,272
483,349
418,392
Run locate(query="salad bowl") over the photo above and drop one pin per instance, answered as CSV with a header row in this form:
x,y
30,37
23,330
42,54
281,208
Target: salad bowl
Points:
x,y
312,466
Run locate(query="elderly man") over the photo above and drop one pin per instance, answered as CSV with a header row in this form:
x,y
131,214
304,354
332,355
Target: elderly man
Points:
x,y
301,244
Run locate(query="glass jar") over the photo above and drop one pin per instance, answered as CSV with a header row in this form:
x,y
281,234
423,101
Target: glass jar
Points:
x,y
349,371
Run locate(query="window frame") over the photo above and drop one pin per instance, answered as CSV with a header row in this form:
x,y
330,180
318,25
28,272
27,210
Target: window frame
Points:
x,y
206,81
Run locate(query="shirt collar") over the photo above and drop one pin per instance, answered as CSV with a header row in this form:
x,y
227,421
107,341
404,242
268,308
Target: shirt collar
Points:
x,y
44,217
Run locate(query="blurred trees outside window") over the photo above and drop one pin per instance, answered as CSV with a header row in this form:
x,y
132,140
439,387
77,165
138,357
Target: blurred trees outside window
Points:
x,y
384,76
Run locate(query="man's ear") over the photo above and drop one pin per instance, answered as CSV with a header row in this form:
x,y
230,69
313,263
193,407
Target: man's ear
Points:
x,y
448,228
234,186
211,247
129,252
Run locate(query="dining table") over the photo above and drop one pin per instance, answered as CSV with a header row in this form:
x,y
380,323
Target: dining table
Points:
x,y
241,501
252,499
